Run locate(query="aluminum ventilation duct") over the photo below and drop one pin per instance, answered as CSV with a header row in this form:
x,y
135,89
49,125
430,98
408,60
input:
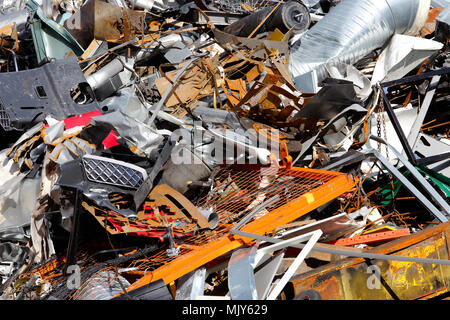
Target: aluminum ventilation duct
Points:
x,y
350,31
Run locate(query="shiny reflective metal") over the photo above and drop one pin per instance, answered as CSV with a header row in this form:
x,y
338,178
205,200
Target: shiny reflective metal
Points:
x,y
353,29
191,285
241,280
97,79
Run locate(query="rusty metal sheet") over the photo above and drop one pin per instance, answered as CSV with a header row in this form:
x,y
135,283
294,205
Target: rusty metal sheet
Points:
x,y
104,21
249,43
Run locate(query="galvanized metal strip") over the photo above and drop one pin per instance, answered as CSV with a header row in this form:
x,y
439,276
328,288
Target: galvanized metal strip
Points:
x,y
428,188
415,129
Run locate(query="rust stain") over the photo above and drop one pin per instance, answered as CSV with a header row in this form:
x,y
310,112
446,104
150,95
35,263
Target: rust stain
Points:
x,y
405,280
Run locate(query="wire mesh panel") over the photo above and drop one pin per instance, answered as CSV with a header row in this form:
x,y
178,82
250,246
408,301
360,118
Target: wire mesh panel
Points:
x,y
243,6
5,120
190,245
241,190
52,272
238,190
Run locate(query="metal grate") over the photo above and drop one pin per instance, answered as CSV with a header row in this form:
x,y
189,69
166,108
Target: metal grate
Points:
x,y
160,257
238,190
243,6
94,274
103,280
5,120
110,171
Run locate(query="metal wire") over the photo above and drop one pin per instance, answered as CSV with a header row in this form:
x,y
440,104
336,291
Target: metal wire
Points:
x,y
243,6
238,190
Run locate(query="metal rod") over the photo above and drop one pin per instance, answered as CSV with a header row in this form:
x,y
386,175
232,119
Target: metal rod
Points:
x,y
433,159
415,129
408,185
169,90
255,211
347,252
72,248
415,78
428,187
398,128
236,230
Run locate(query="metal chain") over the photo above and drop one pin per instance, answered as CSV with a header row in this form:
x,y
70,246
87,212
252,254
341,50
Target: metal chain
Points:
x,y
378,116
381,121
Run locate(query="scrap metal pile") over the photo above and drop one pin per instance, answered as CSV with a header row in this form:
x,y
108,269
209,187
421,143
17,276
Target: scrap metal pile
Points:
x,y
224,149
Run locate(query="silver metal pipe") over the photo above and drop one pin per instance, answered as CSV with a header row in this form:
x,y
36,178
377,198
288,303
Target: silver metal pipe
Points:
x,y
148,4
15,59
350,31
97,79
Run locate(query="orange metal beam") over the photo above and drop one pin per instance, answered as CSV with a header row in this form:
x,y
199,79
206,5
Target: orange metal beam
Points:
x,y
373,237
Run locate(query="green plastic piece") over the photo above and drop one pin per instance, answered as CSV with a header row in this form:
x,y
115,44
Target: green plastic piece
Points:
x,y
51,40
441,181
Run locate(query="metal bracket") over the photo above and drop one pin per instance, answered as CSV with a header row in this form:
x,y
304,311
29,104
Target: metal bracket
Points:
x,y
401,135
428,188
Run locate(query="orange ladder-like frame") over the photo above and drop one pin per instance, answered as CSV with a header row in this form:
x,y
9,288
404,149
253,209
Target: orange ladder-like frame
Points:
x,y
292,210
